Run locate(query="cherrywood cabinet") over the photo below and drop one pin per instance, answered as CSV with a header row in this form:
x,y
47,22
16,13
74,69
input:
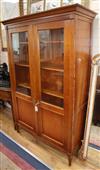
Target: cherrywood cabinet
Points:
x,y
49,58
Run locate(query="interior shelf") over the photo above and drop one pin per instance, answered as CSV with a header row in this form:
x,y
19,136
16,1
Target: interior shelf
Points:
x,y
22,64
54,65
52,42
53,69
52,93
23,43
25,85
98,91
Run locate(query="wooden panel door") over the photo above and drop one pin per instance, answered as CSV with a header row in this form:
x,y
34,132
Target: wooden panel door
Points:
x,y
20,75
53,67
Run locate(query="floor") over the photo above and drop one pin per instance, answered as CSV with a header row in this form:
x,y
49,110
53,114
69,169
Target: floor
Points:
x,y
9,165
95,135
53,158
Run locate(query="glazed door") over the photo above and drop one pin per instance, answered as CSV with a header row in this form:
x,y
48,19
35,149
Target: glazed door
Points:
x,y
50,102
55,80
21,82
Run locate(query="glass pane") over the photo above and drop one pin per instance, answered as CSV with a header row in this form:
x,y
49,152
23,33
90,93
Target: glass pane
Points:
x,y
53,82
51,48
51,62
52,100
21,61
20,47
22,79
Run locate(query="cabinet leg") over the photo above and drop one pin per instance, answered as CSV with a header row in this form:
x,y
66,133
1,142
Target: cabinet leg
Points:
x,y
69,160
16,127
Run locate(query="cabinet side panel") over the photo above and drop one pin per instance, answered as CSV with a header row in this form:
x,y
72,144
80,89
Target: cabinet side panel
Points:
x,y
83,60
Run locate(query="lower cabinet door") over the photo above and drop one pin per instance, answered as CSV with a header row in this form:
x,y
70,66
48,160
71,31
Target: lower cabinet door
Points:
x,y
52,125
26,114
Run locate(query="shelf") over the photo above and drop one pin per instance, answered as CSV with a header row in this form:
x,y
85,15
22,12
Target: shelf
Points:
x,y
53,42
23,43
53,69
52,93
25,85
98,91
22,64
54,65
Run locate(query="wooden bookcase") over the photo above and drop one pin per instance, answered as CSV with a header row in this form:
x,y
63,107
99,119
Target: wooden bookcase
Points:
x,y
49,59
